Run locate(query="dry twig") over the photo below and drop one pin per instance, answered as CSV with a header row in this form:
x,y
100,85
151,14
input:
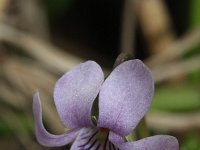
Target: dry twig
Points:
x,y
24,81
3,7
156,25
53,58
177,49
170,70
128,23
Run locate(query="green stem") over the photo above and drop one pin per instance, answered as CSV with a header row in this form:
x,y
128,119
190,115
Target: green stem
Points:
x,y
142,130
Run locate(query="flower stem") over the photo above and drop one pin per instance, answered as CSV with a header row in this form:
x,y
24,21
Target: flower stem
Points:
x,y
142,129
122,57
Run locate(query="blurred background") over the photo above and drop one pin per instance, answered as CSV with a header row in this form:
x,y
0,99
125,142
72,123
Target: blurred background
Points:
x,y
42,39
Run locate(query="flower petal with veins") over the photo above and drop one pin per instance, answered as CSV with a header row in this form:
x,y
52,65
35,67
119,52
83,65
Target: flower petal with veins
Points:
x,y
124,98
88,139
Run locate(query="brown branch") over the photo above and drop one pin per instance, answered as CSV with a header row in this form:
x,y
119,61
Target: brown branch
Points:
x,y
51,56
128,24
170,70
155,23
177,49
32,18
3,7
23,81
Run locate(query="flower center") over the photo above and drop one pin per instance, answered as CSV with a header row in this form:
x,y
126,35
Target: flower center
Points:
x,y
94,138
103,135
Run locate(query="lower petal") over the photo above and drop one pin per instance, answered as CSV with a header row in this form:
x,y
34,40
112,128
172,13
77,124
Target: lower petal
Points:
x,y
91,139
44,137
158,142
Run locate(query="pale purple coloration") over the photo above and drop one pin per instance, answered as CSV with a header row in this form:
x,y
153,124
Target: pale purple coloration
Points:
x,y
124,98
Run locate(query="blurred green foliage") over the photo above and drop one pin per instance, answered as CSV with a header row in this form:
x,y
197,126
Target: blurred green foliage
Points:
x,y
22,124
56,7
194,13
194,22
176,98
5,129
191,141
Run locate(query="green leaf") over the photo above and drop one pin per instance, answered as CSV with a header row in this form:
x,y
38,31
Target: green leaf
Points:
x,y
195,13
191,142
5,129
57,7
173,98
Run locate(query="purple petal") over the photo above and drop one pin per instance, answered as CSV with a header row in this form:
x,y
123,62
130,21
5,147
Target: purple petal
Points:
x,y
43,137
158,142
75,92
115,138
125,97
89,139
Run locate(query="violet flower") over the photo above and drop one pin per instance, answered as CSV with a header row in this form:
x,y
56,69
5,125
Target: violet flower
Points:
x,y
124,98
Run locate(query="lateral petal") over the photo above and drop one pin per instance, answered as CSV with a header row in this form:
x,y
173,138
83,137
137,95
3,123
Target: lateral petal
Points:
x,y
44,137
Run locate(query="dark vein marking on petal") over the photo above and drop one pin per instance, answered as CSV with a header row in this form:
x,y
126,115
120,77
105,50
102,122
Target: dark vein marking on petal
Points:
x,y
86,132
105,143
91,145
113,146
98,146
93,135
85,136
110,148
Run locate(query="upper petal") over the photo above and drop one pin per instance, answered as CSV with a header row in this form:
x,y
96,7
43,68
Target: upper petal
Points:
x,y
75,92
125,97
43,137
158,142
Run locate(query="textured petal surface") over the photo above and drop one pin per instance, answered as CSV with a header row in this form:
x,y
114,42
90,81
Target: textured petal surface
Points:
x,y
89,139
45,138
75,92
125,97
115,138
158,142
